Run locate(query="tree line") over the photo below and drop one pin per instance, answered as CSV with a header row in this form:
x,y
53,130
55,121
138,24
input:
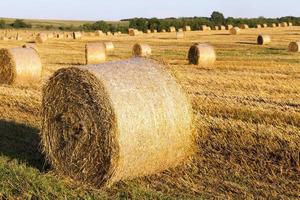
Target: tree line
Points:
x,y
144,24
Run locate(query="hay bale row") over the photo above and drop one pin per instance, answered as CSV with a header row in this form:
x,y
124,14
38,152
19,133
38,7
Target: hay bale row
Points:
x,y
141,50
115,121
20,66
201,54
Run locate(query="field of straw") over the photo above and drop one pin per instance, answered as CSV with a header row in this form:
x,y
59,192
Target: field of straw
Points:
x,y
247,110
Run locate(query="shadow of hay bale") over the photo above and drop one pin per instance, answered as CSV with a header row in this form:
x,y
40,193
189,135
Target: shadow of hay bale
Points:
x,y
21,142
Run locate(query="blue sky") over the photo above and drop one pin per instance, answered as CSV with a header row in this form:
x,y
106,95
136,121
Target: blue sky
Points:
x,y
119,9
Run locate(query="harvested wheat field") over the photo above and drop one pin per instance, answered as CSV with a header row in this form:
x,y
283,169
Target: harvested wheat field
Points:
x,y
246,110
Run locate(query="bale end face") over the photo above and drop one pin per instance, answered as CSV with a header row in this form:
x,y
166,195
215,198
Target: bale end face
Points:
x,y
7,67
294,47
95,53
263,39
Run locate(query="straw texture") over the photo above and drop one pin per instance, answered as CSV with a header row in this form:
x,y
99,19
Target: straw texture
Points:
x,y
294,46
115,121
141,50
263,39
95,53
235,31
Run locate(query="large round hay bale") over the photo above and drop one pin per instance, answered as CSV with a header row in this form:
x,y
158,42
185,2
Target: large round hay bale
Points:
x,y
30,45
222,27
290,24
283,24
294,46
109,33
109,47
163,30
41,38
216,28
187,28
172,29
20,66
99,33
228,27
202,54
180,30
148,31
77,35
60,35
265,25
263,39
133,32
235,31
95,53
141,50
274,25
115,121
244,26
180,35
154,31
203,28
258,26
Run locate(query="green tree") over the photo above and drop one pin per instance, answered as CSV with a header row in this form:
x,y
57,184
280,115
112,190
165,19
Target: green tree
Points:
x,y
19,23
2,24
217,18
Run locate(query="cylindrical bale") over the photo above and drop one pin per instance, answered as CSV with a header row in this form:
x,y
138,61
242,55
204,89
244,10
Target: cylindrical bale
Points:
x,y
172,29
77,35
20,66
109,47
222,27
180,35
59,36
229,26
284,24
265,25
244,26
154,31
41,38
187,28
99,33
109,33
180,30
274,25
294,46
203,28
235,31
30,45
290,24
148,31
263,39
258,26
208,28
95,53
163,30
216,28
115,121
141,50
202,54
133,32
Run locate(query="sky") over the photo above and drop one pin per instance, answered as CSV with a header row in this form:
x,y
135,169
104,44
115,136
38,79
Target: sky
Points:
x,y
122,9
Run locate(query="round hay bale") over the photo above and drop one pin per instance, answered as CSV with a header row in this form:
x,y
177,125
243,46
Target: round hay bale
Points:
x,y
290,24
41,38
284,24
141,50
109,33
187,28
30,45
18,37
265,25
201,54
263,39
216,28
163,30
148,31
20,66
235,31
77,35
274,25
294,46
109,47
133,32
228,27
180,35
99,33
154,31
115,121
59,36
258,26
222,27
203,28
208,28
244,26
50,35
172,29
180,30
95,53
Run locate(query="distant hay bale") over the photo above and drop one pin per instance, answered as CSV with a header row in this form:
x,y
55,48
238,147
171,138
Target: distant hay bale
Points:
x,y
235,31
180,35
59,36
76,35
109,47
41,38
258,26
263,39
274,25
244,26
20,66
3,38
203,28
294,46
50,35
216,28
265,25
222,27
180,30
228,27
154,31
187,28
201,54
283,24
290,24
208,28
95,53
99,33
172,29
115,121
109,33
30,45
18,37
133,32
163,30
141,50
148,31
